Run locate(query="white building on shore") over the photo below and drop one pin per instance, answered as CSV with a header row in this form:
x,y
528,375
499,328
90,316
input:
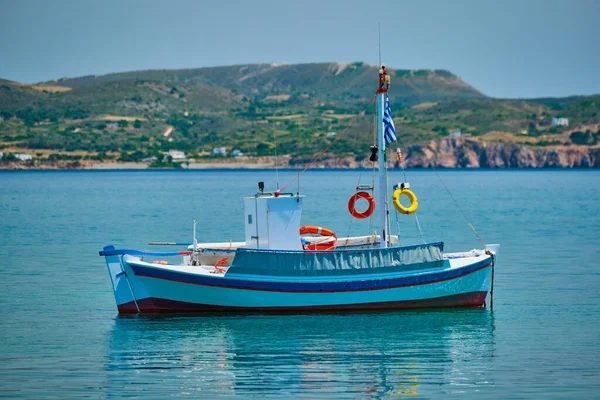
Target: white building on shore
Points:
x,y
177,156
219,151
24,157
560,121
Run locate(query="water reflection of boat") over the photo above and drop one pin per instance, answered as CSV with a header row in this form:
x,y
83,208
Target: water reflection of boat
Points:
x,y
376,354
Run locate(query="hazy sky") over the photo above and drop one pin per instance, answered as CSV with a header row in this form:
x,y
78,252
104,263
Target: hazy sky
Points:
x,y
505,48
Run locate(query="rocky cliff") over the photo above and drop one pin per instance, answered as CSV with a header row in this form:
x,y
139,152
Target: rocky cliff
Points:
x,y
470,153
466,153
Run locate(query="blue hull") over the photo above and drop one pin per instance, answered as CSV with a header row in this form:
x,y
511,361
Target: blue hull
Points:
x,y
144,287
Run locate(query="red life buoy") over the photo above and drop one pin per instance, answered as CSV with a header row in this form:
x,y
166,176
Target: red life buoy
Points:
x,y
317,230
368,212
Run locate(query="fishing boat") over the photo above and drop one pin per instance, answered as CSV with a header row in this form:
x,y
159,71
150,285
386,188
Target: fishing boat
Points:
x,y
285,267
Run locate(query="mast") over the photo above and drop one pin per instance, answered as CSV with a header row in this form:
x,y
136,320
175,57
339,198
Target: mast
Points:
x,y
384,84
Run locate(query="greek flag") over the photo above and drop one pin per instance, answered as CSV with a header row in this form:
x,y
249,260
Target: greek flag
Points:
x,y
389,131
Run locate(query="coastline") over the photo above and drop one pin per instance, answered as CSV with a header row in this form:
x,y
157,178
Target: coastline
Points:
x,y
450,153
125,166
191,166
130,166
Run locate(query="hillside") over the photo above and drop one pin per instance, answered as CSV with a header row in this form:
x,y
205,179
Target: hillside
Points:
x,y
251,108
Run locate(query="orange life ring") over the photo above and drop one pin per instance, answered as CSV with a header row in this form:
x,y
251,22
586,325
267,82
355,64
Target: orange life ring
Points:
x,y
317,230
368,212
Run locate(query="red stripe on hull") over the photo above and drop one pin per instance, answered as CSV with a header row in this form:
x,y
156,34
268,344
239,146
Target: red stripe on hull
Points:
x,y
127,308
154,305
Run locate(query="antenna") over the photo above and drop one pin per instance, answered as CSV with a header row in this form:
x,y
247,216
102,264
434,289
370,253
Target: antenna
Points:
x,y
195,241
379,31
276,161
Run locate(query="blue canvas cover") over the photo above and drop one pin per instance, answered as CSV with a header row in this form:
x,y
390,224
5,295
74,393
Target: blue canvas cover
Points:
x,y
338,262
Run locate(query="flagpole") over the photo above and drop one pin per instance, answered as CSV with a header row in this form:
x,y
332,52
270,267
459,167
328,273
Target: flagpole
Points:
x,y
381,193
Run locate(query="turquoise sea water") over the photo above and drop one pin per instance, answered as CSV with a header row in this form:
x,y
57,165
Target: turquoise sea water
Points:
x,y
61,337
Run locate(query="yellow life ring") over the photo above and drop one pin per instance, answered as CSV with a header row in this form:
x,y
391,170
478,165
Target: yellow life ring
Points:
x,y
414,204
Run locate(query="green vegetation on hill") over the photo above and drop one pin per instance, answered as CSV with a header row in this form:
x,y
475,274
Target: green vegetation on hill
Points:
x,y
135,115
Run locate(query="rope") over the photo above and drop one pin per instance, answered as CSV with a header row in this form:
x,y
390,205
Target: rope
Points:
x,y
418,227
459,208
276,159
338,137
403,171
388,227
401,163
397,226
351,218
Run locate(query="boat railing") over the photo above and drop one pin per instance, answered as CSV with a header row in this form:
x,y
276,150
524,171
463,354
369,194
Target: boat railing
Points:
x,y
111,251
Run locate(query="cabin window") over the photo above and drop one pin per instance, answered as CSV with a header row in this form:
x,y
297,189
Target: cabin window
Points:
x,y
249,219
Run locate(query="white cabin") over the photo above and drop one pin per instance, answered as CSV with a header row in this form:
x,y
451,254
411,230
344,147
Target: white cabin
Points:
x,y
273,222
